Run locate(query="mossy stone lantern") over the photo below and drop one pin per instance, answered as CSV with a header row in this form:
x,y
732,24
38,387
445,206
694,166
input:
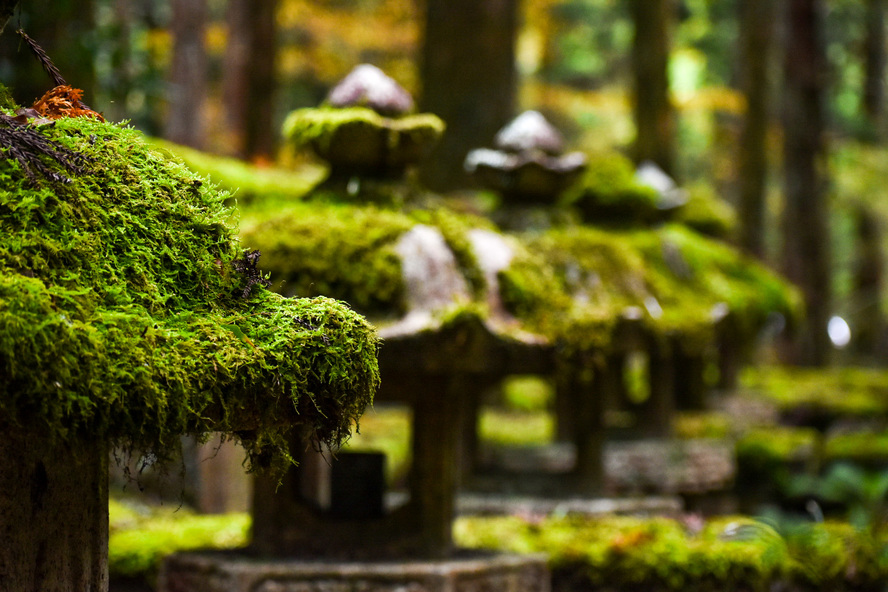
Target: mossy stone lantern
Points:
x,y
528,166
663,299
423,277
366,129
129,315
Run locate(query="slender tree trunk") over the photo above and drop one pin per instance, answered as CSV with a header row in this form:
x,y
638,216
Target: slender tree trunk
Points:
x,y
805,226
869,280
756,45
53,513
653,110
468,79
874,64
188,74
62,30
249,84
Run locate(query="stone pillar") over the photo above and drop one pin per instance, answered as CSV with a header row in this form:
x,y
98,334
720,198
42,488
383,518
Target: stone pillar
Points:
x,y
589,422
690,386
53,513
657,412
437,417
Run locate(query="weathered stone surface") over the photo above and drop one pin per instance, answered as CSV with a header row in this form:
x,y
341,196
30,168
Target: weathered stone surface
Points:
x,y
676,466
219,572
368,86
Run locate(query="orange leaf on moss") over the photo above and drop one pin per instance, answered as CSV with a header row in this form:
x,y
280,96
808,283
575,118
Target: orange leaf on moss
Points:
x,y
64,101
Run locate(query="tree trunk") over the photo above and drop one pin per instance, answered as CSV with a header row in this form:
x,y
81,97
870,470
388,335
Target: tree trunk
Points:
x,y
874,64
756,43
653,110
869,321
64,33
468,79
188,74
53,514
249,83
805,227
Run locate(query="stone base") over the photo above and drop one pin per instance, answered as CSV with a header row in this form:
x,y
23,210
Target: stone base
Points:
x,y
475,572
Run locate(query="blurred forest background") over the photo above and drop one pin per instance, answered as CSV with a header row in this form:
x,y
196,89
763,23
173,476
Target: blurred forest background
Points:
x,y
778,107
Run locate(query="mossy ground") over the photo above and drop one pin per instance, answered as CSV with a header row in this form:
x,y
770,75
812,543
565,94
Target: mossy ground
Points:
x,y
122,316
588,553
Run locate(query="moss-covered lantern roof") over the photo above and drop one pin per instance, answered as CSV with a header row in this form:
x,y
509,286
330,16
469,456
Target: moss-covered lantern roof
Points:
x,y
129,311
671,279
573,284
528,164
365,127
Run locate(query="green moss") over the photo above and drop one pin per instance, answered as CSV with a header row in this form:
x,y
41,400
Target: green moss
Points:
x,y
630,553
6,100
609,192
515,428
706,213
864,447
600,553
703,424
675,277
245,182
822,392
121,315
349,252
727,554
357,140
307,126
140,537
336,250
764,446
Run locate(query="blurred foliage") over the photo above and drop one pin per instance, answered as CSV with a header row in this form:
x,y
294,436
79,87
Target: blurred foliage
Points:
x,y
606,552
387,429
246,183
865,447
141,536
828,393
628,553
515,428
702,424
527,393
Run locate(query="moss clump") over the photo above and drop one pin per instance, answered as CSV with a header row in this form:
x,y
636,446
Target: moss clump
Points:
x,y
245,182
609,193
349,252
865,448
675,278
628,553
122,315
357,139
706,213
728,554
821,394
140,537
340,251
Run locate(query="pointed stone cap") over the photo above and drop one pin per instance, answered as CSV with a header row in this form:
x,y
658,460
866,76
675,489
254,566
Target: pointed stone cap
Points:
x,y
528,165
368,86
530,131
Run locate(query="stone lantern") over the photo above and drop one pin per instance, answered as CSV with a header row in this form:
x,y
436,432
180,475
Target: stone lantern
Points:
x,y
528,166
129,315
365,130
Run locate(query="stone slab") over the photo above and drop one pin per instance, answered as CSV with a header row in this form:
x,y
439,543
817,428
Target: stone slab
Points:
x,y
475,572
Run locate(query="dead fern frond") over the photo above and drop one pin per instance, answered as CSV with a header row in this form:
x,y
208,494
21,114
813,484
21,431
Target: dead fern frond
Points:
x,y
35,153
44,59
